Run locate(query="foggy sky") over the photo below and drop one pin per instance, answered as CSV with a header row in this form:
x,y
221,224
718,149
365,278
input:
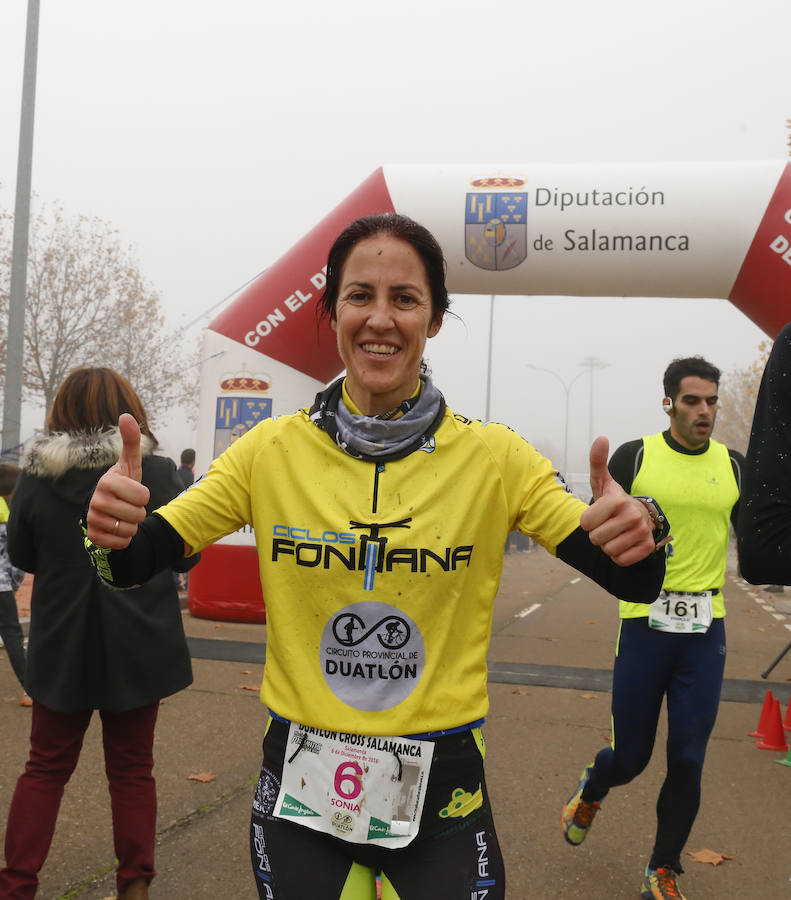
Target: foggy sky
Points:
x,y
215,135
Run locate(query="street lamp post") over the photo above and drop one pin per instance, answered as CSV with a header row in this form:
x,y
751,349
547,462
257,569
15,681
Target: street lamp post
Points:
x,y
489,361
567,388
15,335
591,363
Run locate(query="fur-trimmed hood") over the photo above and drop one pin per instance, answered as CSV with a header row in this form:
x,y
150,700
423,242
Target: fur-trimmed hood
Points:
x,y
52,455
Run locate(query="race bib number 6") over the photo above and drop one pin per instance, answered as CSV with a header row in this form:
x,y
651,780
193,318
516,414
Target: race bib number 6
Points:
x,y
364,789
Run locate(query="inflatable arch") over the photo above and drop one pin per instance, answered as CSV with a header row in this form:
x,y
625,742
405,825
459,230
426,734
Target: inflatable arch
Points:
x,y
717,230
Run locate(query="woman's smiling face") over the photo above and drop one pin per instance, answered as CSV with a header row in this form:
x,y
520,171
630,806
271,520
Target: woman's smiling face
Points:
x,y
383,316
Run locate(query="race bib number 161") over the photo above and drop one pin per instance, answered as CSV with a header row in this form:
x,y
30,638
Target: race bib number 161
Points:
x,y
681,613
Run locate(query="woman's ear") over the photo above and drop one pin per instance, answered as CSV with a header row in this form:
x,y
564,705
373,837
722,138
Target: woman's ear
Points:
x,y
436,324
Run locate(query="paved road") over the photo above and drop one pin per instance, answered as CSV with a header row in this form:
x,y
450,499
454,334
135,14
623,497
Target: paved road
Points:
x,y
550,628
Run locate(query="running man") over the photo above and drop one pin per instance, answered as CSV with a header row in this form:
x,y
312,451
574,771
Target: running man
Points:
x,y
676,646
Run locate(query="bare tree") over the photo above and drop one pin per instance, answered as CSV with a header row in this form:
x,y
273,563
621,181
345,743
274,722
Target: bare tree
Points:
x,y
738,390
140,345
5,286
88,303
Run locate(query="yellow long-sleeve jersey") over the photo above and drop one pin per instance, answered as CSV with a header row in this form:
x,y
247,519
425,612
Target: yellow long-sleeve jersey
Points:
x,y
379,578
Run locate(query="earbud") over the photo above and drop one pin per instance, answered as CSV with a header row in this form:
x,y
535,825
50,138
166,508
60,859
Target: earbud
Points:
x,y
667,404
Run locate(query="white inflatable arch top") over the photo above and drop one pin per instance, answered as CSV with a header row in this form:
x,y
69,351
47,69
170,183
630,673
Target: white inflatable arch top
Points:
x,y
719,230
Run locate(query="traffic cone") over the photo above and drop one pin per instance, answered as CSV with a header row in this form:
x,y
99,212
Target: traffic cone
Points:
x,y
763,721
786,761
787,720
775,737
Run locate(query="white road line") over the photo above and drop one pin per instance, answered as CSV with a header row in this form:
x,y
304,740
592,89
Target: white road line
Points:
x,y
526,612
788,627
575,580
758,600
778,616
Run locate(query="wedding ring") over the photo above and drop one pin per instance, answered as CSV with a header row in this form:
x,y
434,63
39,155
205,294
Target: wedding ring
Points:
x,y
115,527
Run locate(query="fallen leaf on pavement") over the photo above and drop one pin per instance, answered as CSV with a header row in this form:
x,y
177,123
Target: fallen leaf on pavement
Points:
x,y
203,777
520,691
247,672
708,856
589,696
249,687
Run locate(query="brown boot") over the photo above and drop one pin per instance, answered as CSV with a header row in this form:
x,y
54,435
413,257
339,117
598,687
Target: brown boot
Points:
x,y
135,890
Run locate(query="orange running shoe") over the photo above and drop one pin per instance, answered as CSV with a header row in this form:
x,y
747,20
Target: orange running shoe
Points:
x,y
578,814
661,884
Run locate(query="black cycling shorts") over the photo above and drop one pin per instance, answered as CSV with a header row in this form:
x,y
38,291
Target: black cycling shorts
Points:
x,y
454,855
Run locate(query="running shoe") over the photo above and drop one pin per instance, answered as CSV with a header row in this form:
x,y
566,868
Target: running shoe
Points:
x,y
26,700
660,884
577,816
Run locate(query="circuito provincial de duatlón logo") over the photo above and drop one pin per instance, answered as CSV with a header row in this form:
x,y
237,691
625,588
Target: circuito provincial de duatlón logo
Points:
x,y
372,655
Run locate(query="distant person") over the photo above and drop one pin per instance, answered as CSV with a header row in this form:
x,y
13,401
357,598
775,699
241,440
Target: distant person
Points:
x,y
765,517
90,648
676,647
186,471
10,579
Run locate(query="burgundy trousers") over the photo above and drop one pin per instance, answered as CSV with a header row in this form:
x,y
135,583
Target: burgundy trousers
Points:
x,y
55,744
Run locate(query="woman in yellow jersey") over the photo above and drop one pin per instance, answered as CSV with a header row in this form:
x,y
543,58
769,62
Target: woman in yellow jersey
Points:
x,y
381,519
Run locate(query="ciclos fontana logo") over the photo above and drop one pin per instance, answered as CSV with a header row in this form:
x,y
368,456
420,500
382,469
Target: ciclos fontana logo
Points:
x,y
366,547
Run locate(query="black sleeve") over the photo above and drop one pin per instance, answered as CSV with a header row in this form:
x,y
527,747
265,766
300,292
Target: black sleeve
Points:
x,y
156,546
764,524
21,537
625,463
738,465
639,583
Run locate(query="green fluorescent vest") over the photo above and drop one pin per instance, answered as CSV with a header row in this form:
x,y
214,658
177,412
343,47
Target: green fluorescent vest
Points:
x,y
697,493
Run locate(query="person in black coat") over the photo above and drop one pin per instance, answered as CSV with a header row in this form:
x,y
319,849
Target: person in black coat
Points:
x,y
90,648
764,529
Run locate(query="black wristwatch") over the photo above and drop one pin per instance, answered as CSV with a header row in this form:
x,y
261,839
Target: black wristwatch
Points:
x,y
661,524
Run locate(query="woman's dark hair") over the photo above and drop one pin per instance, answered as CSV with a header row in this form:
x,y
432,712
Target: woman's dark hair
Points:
x,y
91,398
405,229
